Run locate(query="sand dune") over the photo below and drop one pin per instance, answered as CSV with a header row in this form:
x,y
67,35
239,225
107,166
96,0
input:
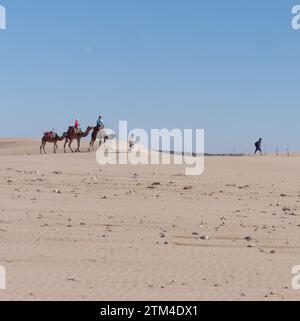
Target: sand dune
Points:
x,y
18,146
71,229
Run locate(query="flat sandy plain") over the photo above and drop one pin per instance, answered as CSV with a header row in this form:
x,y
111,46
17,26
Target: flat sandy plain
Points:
x,y
73,230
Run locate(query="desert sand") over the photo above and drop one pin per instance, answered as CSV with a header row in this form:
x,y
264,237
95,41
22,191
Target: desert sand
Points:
x,y
73,230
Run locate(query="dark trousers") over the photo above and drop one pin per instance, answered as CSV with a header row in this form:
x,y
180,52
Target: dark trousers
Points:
x,y
258,149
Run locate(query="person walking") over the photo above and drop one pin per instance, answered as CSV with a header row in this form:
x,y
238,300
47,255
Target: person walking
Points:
x,y
258,147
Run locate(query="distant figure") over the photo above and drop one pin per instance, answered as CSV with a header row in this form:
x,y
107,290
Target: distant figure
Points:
x,y
100,123
131,142
258,147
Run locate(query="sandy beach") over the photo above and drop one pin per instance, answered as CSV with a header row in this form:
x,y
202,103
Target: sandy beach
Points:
x,y
73,230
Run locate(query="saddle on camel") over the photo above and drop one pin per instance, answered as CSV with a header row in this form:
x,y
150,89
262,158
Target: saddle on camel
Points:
x,y
49,135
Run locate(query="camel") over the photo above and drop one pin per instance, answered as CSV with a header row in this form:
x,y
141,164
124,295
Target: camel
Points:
x,y
101,134
51,137
94,137
72,134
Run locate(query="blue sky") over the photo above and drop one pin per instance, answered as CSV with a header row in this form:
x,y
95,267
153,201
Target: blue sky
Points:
x,y
230,67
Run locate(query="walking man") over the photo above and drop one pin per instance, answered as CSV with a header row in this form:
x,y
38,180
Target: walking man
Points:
x,y
258,147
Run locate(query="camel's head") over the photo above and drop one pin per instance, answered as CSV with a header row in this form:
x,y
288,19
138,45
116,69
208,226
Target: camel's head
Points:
x,y
90,128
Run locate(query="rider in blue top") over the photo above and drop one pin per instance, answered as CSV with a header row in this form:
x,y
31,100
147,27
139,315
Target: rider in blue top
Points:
x,y
100,122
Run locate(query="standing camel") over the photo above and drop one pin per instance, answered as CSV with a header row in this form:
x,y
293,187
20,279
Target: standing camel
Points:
x,y
72,134
94,137
51,137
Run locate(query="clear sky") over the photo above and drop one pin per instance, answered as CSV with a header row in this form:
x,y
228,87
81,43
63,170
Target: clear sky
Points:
x,y
230,67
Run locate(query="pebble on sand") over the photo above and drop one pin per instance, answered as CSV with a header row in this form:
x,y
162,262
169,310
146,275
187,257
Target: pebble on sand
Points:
x,y
204,237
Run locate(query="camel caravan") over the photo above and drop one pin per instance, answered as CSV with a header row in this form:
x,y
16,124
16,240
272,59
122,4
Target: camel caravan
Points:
x,y
75,133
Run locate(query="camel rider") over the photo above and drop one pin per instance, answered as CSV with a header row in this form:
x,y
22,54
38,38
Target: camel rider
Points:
x,y
77,126
100,123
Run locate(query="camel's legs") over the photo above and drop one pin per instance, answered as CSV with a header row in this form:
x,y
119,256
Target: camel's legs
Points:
x,y
71,141
44,148
105,141
90,146
66,141
55,148
78,146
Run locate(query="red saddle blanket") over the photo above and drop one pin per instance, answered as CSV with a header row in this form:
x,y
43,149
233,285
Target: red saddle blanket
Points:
x,y
49,135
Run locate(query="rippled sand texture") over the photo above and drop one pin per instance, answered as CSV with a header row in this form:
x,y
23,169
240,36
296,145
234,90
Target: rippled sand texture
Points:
x,y
71,229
